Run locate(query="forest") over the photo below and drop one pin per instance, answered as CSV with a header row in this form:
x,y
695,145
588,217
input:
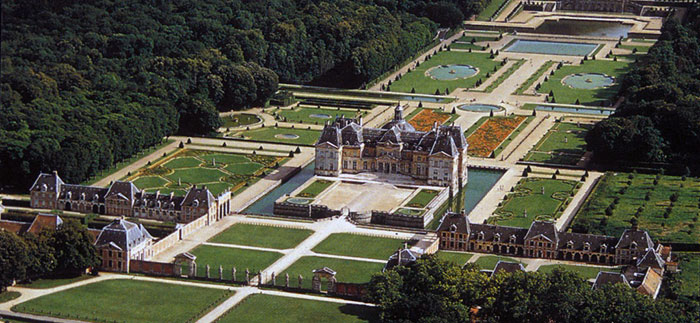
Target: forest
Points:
x,y
658,123
86,84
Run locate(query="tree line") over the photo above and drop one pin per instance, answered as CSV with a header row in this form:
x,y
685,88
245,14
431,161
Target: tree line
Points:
x,y
66,251
659,120
433,290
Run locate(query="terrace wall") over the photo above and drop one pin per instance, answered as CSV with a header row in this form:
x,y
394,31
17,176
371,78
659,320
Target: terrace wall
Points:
x,y
154,268
193,226
304,211
166,242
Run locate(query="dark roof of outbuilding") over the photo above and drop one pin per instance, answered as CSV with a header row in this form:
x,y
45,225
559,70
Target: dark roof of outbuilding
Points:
x,y
91,193
52,181
640,237
456,222
125,189
407,258
123,234
545,229
606,277
490,232
507,267
198,195
580,239
651,259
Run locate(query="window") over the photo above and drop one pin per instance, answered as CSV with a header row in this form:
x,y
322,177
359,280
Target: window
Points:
x,y
364,165
110,254
345,164
110,264
354,165
119,254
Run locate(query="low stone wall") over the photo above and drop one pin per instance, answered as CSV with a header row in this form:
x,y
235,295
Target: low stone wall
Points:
x,y
166,242
400,220
154,268
304,211
193,226
357,291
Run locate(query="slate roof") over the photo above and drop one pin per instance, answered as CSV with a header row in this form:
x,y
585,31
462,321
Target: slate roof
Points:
x,y
331,135
160,201
15,227
123,234
507,267
635,235
606,277
579,240
198,196
43,220
50,182
651,260
125,189
325,270
543,228
81,192
491,231
456,221
407,258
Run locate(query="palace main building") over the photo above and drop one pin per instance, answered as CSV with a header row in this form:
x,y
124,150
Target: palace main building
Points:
x,y
437,157
125,199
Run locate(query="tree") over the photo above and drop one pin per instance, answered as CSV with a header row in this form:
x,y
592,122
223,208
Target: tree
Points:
x,y
14,259
40,253
74,249
239,87
198,115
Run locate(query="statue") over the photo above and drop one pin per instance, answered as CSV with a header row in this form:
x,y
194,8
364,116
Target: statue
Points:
x,y
286,280
207,271
272,278
221,272
233,274
301,278
247,276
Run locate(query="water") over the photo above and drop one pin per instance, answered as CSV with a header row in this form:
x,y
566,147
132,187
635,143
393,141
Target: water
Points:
x,y
600,112
452,72
421,98
479,107
479,182
550,47
320,116
266,204
588,81
584,28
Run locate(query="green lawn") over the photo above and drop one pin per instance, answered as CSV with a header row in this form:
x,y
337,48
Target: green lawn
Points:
x,y
284,309
504,76
424,84
262,236
245,168
639,48
254,260
459,258
531,80
564,143
127,300
347,271
315,188
355,245
55,282
478,39
689,264
528,197
182,162
147,182
490,10
489,262
196,175
680,225
7,296
566,94
238,120
227,159
306,115
269,134
586,272
422,199
464,45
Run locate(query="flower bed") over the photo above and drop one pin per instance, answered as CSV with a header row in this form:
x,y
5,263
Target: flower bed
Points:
x,y
491,134
424,120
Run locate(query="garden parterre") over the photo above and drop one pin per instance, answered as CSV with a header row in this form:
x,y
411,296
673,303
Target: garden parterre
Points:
x,y
489,136
534,199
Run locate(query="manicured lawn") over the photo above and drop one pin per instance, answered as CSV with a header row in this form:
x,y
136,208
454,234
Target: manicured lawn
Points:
x,y
262,236
196,175
505,75
127,300
639,48
531,80
245,168
238,120
689,264
478,39
424,84
227,159
528,198
183,162
7,296
467,45
315,115
459,258
490,10
347,271
315,188
269,134
564,143
489,262
355,245
492,133
213,256
150,182
284,309
652,213
422,199
586,272
566,94
55,282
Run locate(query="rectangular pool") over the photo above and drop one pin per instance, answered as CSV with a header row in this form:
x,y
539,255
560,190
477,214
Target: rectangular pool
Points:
x,y
550,47
594,111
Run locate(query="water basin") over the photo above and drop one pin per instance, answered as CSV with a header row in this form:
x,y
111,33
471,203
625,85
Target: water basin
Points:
x,y
265,204
286,136
595,28
477,107
593,111
320,116
588,81
451,72
550,47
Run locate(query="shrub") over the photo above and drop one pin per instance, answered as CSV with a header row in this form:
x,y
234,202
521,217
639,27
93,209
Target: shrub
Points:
x,y
189,140
674,197
181,145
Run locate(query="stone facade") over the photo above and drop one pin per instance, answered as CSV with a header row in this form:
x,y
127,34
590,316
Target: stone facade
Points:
x,y
542,240
437,157
125,199
122,241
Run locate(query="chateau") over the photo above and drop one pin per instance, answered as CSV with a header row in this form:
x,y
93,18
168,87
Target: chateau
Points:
x,y
437,157
125,199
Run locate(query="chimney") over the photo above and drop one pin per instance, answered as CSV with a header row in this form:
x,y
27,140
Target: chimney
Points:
x,y
55,172
398,259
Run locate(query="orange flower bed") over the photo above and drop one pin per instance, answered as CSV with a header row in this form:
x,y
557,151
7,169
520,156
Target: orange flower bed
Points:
x,y
491,134
424,120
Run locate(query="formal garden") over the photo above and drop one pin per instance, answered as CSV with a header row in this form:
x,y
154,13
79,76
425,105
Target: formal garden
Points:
x,y
534,199
127,300
347,271
281,135
261,236
666,206
217,170
564,143
315,115
423,198
315,188
229,257
423,119
447,70
473,42
490,135
355,245
292,310
239,120
599,82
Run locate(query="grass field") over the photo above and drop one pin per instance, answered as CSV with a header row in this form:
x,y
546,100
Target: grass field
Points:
x,y
218,171
490,10
127,300
43,283
638,196
566,94
306,115
315,188
505,75
262,236
459,258
424,84
270,134
355,245
254,260
564,144
586,272
238,120
347,271
489,262
422,199
7,296
467,45
531,80
689,264
528,198
292,310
